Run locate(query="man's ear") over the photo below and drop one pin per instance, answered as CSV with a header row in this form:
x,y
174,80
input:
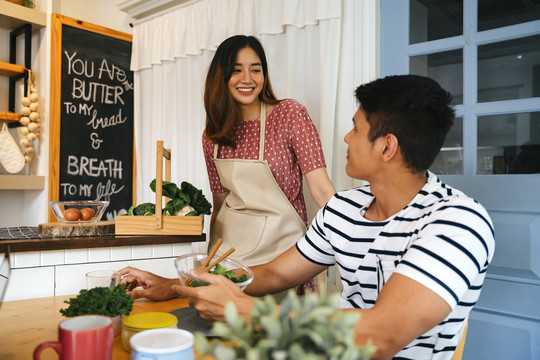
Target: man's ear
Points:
x,y
391,146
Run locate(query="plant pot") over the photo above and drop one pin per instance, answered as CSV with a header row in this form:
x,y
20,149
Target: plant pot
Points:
x,y
117,325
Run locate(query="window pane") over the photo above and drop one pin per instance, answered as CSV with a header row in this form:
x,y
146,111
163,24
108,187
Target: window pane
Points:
x,y
432,20
509,70
450,159
498,13
509,144
445,67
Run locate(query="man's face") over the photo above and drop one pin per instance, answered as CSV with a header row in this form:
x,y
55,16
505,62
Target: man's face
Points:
x,y
361,158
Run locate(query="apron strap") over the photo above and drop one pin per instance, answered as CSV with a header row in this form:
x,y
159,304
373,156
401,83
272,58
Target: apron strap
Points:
x,y
261,136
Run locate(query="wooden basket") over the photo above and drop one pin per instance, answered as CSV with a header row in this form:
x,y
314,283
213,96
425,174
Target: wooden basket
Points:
x,y
158,224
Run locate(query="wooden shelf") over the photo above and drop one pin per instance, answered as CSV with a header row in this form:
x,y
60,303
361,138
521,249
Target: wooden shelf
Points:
x,y
85,242
22,182
9,69
9,116
13,16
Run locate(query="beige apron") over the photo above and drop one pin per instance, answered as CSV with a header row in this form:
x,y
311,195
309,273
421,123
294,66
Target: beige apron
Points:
x,y
256,217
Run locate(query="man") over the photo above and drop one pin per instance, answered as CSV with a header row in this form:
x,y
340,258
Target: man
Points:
x,y
412,252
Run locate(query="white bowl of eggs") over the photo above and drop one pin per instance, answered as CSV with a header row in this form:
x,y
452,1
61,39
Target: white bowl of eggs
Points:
x,y
78,211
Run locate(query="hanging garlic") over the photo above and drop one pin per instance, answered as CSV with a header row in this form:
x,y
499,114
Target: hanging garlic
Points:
x,y
23,130
30,120
25,101
25,111
33,127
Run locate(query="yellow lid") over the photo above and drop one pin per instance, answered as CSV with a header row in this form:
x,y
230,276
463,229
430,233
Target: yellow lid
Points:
x,y
150,320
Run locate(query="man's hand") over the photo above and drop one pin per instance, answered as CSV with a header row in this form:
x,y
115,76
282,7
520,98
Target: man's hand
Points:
x,y
209,301
144,284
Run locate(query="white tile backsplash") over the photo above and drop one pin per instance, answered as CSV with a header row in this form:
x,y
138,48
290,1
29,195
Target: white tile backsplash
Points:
x,y
142,252
53,257
121,253
181,249
30,283
62,272
26,259
76,256
163,250
99,254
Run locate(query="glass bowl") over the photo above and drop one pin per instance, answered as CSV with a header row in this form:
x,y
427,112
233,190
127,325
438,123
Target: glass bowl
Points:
x,y
185,263
59,209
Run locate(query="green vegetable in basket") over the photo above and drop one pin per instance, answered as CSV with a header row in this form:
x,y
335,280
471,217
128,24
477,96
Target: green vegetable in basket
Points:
x,y
184,201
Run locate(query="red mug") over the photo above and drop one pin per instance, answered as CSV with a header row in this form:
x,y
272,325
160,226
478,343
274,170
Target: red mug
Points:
x,y
86,337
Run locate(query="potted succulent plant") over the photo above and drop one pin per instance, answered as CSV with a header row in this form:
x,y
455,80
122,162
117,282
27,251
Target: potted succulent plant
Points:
x,y
305,328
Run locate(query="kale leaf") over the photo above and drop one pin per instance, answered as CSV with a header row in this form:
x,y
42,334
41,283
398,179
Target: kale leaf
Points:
x,y
101,301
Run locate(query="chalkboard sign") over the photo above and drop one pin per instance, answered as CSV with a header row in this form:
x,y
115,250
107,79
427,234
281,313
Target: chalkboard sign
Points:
x,y
91,116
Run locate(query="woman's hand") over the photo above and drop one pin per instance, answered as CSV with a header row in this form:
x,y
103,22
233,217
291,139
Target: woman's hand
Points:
x,y
144,284
209,301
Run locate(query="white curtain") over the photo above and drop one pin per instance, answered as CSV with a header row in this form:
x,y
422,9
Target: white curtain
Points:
x,y
306,54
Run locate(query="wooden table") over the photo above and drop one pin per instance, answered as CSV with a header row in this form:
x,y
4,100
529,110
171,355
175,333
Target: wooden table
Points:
x,y
24,324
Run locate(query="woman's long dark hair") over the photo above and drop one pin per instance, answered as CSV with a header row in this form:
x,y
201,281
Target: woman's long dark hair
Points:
x,y
222,112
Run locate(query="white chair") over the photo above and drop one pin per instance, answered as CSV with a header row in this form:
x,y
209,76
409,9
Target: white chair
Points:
x,y
4,274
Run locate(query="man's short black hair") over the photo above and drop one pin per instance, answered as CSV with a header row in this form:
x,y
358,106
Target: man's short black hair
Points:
x,y
413,108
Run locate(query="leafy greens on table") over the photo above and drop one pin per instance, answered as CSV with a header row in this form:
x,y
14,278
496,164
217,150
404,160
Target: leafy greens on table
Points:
x,y
100,301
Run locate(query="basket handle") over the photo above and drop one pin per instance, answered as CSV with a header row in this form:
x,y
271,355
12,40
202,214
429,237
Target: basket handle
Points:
x,y
161,153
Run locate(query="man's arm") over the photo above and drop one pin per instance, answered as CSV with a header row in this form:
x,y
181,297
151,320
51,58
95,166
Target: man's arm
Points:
x,y
405,309
286,271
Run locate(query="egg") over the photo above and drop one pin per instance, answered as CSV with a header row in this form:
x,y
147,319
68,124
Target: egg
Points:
x,y
72,214
87,213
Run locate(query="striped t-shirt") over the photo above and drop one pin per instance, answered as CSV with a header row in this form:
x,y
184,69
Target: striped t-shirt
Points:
x,y
443,239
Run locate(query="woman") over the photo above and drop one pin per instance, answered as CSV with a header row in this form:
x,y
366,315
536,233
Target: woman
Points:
x,y
256,149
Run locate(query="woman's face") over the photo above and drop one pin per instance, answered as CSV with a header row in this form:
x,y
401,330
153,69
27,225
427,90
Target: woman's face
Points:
x,y
247,78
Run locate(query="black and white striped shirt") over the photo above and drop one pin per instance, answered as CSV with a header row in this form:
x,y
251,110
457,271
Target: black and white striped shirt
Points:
x,y
443,239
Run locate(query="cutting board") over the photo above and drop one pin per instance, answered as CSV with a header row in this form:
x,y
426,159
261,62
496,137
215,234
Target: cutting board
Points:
x,y
76,229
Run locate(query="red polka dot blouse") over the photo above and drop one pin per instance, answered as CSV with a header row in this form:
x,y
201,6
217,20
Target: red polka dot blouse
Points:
x,y
292,147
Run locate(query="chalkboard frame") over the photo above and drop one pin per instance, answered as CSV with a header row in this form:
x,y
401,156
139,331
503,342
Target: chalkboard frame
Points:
x,y
57,23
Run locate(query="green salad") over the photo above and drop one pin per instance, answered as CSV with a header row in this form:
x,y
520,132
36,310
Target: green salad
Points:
x,y
221,270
